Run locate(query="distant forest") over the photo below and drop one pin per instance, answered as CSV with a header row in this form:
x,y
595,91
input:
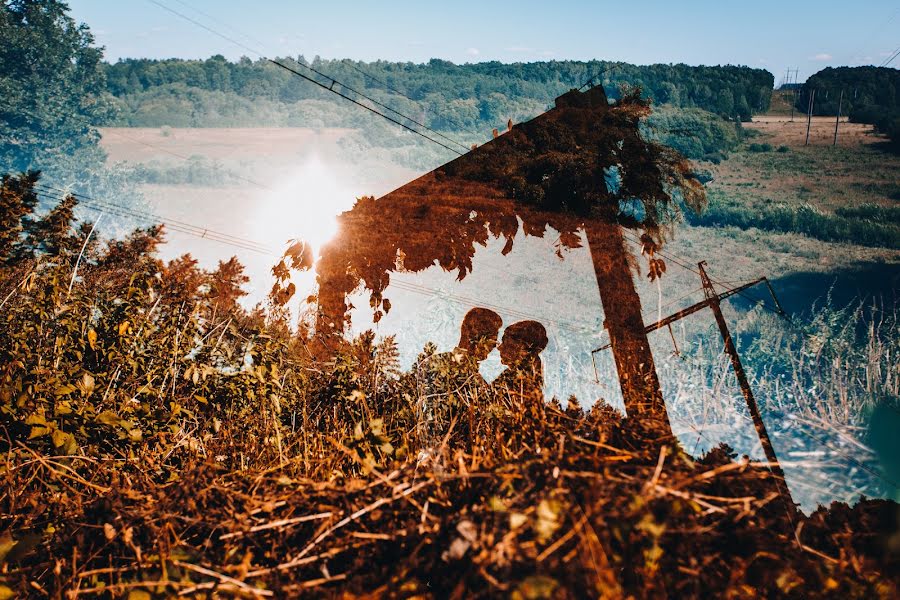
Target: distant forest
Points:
x,y
444,95
870,95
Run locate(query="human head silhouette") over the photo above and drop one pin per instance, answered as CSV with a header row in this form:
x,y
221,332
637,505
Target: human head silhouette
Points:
x,y
478,333
522,341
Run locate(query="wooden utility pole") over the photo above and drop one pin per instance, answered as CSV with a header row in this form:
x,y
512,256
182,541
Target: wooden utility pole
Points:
x,y
809,110
712,299
837,121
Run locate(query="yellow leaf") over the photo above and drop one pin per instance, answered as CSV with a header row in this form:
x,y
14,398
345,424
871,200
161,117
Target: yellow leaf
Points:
x,y
7,543
124,326
548,519
6,593
92,339
139,595
516,520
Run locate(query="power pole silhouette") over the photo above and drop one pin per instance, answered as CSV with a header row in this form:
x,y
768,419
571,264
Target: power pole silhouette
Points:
x,y
837,121
713,301
809,111
712,298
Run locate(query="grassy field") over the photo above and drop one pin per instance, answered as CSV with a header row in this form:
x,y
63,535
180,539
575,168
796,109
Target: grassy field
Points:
x,y
811,218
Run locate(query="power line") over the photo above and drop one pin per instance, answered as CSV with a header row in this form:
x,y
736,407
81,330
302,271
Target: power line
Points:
x,y
890,59
346,61
591,80
329,86
175,225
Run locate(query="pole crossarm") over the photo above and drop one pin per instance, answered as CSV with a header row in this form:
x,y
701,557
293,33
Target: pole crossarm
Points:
x,y
700,306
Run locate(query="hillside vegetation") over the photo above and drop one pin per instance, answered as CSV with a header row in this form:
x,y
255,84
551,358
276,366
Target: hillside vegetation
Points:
x,y
870,95
149,450
441,94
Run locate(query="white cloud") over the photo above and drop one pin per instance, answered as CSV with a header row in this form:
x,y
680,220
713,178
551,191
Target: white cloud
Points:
x,y
473,51
822,56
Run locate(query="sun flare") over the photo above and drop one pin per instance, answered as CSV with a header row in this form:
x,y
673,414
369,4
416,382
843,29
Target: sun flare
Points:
x,y
304,207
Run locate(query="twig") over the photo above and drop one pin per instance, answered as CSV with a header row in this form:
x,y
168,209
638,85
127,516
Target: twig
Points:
x,y
363,511
562,540
222,578
80,254
315,583
276,524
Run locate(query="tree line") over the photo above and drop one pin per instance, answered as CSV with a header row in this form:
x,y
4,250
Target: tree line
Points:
x,y
870,95
447,96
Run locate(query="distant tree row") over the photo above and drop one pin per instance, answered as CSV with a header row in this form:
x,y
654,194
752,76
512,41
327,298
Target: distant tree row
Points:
x,y
870,95
862,87
446,95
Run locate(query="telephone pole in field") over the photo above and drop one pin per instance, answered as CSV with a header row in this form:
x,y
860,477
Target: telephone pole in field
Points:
x,y
837,121
809,111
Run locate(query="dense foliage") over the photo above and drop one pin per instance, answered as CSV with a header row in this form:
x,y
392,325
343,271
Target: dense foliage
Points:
x,y
158,439
886,120
862,87
447,96
871,95
866,225
52,90
695,133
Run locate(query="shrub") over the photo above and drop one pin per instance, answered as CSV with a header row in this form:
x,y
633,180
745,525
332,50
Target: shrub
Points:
x,y
764,147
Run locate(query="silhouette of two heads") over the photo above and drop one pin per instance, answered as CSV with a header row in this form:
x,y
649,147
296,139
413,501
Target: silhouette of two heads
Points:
x,y
522,340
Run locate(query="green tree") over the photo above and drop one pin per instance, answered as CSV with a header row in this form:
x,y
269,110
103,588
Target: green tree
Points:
x,y
17,201
52,90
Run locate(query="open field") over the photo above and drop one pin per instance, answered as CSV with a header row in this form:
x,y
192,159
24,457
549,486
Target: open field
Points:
x,y
307,174
857,172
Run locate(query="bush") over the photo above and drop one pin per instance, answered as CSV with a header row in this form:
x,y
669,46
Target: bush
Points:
x,y
854,226
694,132
783,149
765,147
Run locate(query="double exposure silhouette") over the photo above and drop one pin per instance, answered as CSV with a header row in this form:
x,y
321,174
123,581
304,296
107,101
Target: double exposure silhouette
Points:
x,y
439,375
581,167
520,352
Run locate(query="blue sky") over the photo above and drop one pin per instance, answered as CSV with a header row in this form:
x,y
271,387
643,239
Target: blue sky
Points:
x,y
771,35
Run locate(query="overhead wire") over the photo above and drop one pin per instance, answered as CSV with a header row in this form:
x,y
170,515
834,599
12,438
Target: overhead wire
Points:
x,y
330,87
174,224
891,58
346,61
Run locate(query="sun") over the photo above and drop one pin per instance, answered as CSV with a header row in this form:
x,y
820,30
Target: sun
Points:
x,y
304,206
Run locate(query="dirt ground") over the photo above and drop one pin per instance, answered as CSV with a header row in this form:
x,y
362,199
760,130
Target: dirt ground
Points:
x,y
860,169
781,130
138,144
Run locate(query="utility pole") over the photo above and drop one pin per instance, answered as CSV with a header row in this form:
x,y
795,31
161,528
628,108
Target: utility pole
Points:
x,y
796,92
809,110
712,299
837,121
